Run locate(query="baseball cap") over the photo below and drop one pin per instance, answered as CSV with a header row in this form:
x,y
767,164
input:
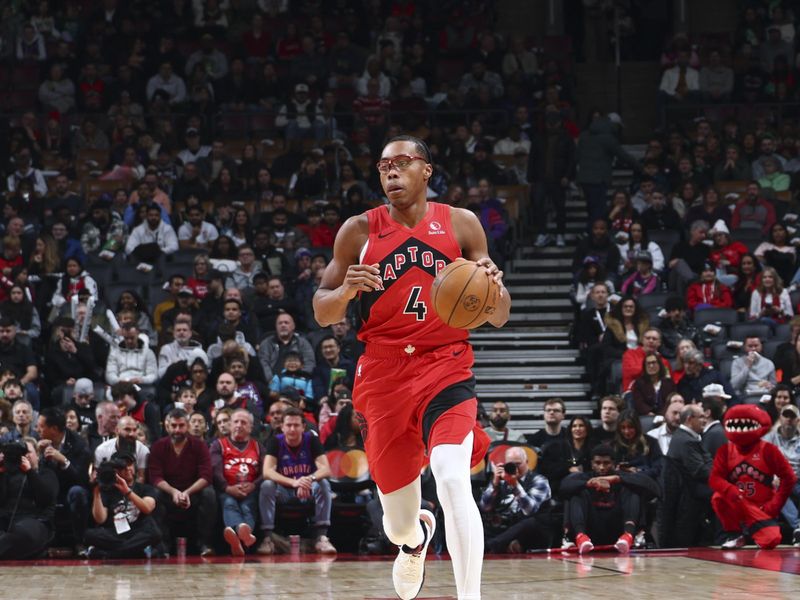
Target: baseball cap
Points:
x,y
644,255
302,252
790,408
192,131
84,387
185,291
301,87
715,390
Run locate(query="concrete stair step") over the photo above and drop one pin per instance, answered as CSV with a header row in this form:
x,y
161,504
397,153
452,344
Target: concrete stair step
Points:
x,y
539,290
508,333
519,344
539,304
558,317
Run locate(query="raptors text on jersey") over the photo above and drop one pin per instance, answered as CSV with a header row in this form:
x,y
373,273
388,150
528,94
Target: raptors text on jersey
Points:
x,y
409,259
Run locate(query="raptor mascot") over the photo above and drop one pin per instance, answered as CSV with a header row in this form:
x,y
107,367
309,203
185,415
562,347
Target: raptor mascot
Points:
x,y
745,499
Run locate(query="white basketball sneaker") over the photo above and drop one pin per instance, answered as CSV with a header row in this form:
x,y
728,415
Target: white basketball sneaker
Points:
x,y
408,572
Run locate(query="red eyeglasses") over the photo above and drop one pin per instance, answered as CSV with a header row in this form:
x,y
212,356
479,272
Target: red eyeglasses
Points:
x,y
400,162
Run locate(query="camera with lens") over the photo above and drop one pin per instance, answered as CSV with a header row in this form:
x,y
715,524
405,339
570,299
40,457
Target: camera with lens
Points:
x,y
107,474
510,468
13,453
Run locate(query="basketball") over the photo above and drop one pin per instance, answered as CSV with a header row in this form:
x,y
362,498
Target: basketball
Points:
x,y
463,296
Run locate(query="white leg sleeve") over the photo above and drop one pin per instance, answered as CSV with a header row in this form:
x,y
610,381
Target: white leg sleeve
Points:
x,y
451,465
401,515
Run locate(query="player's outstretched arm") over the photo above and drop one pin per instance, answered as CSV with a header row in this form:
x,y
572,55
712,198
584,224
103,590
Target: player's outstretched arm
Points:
x,y
344,277
472,239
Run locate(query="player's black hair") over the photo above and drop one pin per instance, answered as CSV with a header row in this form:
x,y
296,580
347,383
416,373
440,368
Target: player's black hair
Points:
x,y
422,147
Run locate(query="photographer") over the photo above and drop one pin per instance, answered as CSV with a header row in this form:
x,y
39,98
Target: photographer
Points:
x,y
27,501
122,507
510,503
67,455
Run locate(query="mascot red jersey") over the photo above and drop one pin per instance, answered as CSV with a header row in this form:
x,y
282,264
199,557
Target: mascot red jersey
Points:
x,y
745,499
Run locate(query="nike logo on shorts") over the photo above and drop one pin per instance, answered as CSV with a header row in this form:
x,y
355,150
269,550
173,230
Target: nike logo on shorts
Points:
x,y
459,353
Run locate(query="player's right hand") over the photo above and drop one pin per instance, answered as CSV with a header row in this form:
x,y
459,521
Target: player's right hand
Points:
x,y
361,278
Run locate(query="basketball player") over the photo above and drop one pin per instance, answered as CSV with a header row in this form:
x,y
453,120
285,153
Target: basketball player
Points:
x,y
414,390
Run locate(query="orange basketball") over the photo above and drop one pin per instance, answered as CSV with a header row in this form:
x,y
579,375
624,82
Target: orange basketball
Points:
x,y
463,295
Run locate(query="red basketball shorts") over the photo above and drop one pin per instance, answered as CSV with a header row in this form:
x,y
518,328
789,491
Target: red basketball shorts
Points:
x,y
410,401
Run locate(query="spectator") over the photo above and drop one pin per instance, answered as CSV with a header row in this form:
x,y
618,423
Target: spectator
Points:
x,y
686,506
777,252
196,232
636,452
104,232
130,401
83,403
214,62
570,455
787,438
600,245
480,75
592,320
774,47
66,453
182,349
605,504
688,258
131,361
732,168
716,80
236,460
105,426
725,253
708,292
770,302
554,413
632,359
497,429
152,238
332,369
248,267
27,505
126,442
637,241
663,433
752,375
676,326
273,349
295,466
57,93
714,406
652,387
551,167
644,280
681,82
697,376
123,513
610,407
753,210
31,44
26,172
598,145
20,359
167,82
510,502
180,469
293,376
659,215
298,118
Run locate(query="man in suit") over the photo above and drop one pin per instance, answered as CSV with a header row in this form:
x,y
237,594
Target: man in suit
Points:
x,y
685,481
714,405
67,455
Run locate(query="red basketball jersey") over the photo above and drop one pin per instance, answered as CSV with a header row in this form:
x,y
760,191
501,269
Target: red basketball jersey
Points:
x,y
409,259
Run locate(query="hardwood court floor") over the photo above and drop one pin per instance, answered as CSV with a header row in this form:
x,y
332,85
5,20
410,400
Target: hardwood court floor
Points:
x,y
685,575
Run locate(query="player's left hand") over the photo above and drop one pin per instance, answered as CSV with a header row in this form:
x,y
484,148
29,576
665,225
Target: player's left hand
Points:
x,y
492,271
